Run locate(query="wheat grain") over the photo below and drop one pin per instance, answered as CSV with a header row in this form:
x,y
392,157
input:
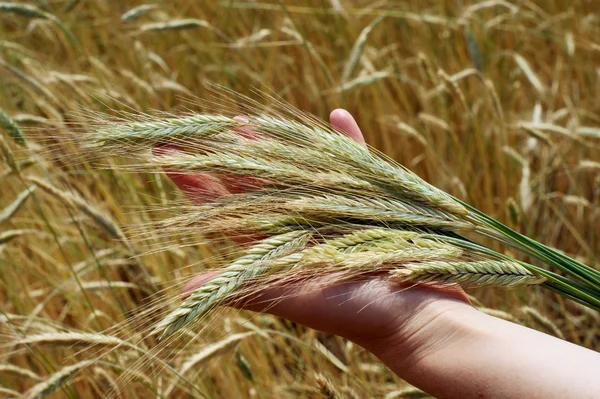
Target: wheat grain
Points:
x,y
386,211
531,76
75,338
331,357
499,314
279,172
361,251
213,350
179,24
588,131
104,285
252,39
10,235
8,156
371,238
244,366
400,180
32,82
283,253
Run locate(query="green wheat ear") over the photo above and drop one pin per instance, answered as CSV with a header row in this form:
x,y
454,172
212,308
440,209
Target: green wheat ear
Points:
x,y
247,267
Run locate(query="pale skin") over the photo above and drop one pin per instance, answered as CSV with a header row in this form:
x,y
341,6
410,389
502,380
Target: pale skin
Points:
x,y
431,337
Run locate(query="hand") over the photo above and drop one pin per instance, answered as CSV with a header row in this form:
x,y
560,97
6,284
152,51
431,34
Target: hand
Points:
x,y
371,313
431,337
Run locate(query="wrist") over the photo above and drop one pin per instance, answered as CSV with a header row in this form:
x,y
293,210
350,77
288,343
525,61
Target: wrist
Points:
x,y
432,326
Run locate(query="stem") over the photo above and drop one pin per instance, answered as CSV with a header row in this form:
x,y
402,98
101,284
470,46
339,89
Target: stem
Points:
x,y
586,274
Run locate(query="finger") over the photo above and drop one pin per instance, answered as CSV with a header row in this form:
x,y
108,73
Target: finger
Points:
x,y
246,131
240,184
345,123
198,187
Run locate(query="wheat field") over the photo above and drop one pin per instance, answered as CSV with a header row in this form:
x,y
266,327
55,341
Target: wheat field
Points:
x,y
494,102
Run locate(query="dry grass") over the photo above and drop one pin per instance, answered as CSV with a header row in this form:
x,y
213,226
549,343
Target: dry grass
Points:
x,y
493,102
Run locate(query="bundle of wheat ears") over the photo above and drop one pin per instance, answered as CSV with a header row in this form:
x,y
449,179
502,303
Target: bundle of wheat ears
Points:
x,y
317,202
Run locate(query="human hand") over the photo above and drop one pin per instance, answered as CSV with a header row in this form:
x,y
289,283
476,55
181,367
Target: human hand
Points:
x,y
431,337
384,318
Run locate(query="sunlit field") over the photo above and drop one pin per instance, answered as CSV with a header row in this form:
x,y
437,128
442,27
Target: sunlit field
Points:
x,y
494,102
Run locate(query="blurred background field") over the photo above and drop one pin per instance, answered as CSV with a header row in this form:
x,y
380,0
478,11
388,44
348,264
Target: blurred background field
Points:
x,y
496,102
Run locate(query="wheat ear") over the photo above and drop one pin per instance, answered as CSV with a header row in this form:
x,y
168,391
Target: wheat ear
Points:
x,y
358,252
166,130
56,380
245,268
475,274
